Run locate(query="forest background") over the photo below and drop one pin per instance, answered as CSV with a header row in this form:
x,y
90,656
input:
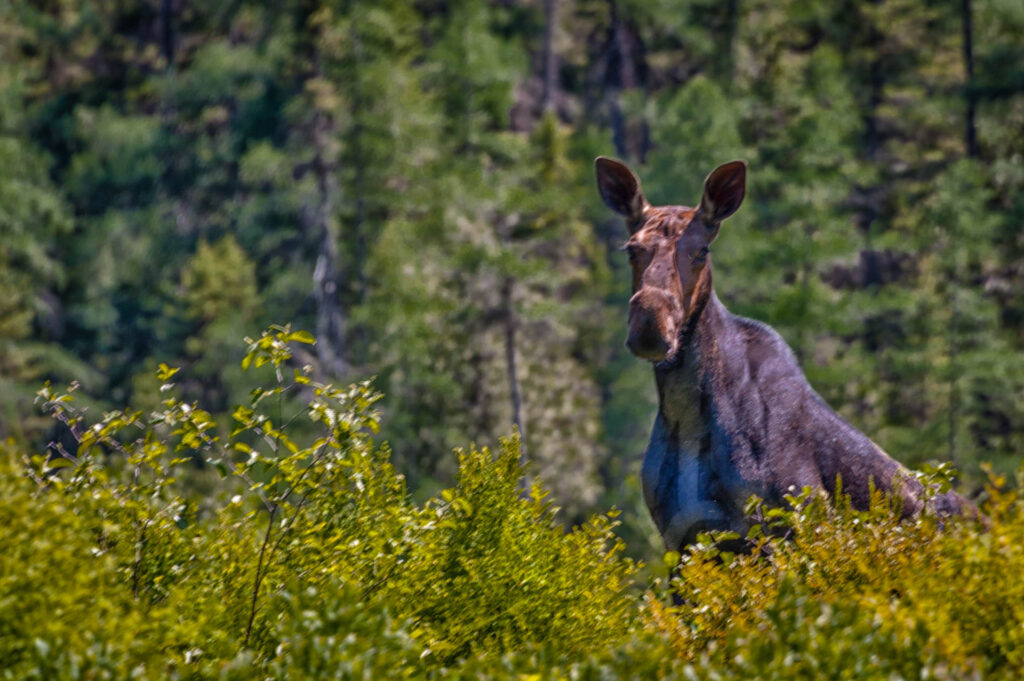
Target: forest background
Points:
x,y
412,182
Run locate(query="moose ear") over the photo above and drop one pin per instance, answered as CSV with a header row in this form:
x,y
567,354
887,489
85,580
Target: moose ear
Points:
x,y
723,191
620,190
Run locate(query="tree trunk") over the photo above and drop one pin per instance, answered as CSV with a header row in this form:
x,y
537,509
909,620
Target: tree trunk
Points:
x,y
621,78
971,148
873,140
510,363
329,322
954,352
359,163
167,30
356,234
550,59
970,134
726,44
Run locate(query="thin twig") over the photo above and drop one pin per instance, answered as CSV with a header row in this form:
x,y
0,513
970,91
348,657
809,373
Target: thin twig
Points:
x,y
139,539
298,509
261,567
260,574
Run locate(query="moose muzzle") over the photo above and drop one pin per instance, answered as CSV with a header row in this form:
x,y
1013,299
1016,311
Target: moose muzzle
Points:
x,y
651,328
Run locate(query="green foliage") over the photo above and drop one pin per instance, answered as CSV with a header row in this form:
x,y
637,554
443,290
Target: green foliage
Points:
x,y
306,556
487,543
32,218
414,182
218,281
297,554
391,174
852,594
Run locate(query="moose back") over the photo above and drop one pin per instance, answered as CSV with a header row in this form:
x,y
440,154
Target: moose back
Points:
x,y
736,416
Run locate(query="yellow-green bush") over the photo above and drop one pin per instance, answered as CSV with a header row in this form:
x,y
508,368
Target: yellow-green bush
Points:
x,y
306,558
853,594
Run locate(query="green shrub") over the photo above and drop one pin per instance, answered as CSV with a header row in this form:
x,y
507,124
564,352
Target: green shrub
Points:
x,y
286,546
853,594
307,558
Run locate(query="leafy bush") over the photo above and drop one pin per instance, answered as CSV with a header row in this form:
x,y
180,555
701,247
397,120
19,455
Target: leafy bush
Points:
x,y
307,556
286,546
852,594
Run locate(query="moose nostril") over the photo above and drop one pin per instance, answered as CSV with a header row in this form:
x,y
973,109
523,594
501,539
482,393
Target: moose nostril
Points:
x,y
648,348
647,341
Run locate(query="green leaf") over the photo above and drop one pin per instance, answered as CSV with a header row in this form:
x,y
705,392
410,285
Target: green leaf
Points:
x,y
301,337
165,372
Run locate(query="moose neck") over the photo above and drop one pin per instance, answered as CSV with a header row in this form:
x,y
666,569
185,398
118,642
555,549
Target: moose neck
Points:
x,y
683,381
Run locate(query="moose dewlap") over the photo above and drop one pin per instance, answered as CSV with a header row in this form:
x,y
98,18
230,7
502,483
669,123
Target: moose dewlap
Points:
x,y
736,416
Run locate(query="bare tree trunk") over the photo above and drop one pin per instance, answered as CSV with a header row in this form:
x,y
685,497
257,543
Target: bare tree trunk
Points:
x,y
954,352
726,45
167,30
971,148
356,333
359,162
873,140
510,364
624,48
970,134
550,59
622,78
329,323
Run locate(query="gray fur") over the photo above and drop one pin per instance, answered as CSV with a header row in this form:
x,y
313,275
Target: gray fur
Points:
x,y
737,417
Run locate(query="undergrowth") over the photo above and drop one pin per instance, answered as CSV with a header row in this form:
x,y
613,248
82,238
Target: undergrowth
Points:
x,y
285,546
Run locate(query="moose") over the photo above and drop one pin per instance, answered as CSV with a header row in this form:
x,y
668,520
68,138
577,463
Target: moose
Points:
x,y
736,416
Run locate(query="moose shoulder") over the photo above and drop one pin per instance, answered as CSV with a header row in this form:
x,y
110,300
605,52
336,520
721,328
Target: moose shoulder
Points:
x,y
736,415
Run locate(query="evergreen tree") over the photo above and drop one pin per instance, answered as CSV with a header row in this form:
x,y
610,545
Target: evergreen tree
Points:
x,y
413,183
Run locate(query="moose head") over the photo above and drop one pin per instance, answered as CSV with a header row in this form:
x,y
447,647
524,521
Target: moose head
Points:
x,y
669,251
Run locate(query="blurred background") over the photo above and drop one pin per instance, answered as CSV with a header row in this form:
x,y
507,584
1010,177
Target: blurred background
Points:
x,y
412,182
